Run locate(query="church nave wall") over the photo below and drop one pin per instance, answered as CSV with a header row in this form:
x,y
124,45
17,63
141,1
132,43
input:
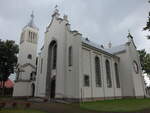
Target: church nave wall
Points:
x,y
92,90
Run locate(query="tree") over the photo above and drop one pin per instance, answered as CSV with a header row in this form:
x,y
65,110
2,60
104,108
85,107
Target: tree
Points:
x,y
145,61
147,27
8,59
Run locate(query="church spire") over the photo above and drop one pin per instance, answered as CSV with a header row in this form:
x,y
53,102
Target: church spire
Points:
x,y
31,22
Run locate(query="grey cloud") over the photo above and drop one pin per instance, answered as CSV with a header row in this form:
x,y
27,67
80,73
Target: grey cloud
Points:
x,y
99,20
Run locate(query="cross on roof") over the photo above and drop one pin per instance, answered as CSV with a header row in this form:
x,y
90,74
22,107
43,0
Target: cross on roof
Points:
x,y
129,35
56,6
32,15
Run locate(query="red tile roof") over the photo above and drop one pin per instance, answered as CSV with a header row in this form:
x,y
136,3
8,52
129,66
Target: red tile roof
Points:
x,y
8,84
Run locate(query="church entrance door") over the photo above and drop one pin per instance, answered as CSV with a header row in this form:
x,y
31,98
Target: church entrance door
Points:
x,y
53,85
33,89
51,70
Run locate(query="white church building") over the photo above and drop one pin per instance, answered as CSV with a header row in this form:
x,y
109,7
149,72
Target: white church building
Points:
x,y
72,67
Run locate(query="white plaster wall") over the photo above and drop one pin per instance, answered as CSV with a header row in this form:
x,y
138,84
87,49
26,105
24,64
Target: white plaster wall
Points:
x,y
109,92
87,91
39,79
137,77
126,74
56,31
72,72
88,67
97,91
25,49
117,91
26,74
132,83
69,79
22,89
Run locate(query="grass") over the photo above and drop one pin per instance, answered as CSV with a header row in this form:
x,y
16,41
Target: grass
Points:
x,y
20,111
118,105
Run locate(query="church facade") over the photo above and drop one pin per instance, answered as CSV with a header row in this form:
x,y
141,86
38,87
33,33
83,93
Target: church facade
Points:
x,y
72,67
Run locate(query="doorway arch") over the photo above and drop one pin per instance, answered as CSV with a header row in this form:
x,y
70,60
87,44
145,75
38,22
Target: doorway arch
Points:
x,y
51,66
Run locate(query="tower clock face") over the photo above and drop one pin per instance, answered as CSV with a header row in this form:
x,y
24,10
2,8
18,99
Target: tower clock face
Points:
x,y
135,67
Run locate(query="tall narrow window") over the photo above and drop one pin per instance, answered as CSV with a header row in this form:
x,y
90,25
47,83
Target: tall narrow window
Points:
x,y
97,72
41,64
108,74
117,75
29,33
31,76
31,37
86,81
36,61
54,54
70,56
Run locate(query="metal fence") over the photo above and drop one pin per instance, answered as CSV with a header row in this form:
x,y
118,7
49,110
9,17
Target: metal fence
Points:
x,y
7,92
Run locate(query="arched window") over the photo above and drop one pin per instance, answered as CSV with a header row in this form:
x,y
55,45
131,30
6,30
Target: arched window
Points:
x,y
29,56
108,74
30,36
97,72
54,54
51,65
41,64
70,56
117,75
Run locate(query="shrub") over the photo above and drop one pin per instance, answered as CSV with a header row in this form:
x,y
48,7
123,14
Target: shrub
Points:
x,y
45,100
2,105
14,104
27,105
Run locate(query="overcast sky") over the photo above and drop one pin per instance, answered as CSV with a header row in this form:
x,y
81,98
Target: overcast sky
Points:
x,y
101,21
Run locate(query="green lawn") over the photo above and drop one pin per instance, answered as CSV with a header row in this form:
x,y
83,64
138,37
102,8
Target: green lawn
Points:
x,y
119,105
20,111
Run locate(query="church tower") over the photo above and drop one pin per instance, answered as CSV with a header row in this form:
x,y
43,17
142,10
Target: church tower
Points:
x,y
28,43
26,70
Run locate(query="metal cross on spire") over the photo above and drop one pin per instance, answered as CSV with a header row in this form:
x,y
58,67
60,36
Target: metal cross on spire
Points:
x,y
128,30
56,9
56,6
32,15
129,34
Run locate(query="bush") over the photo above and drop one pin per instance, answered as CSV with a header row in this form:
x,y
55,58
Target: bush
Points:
x,y
27,105
14,104
2,105
45,100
